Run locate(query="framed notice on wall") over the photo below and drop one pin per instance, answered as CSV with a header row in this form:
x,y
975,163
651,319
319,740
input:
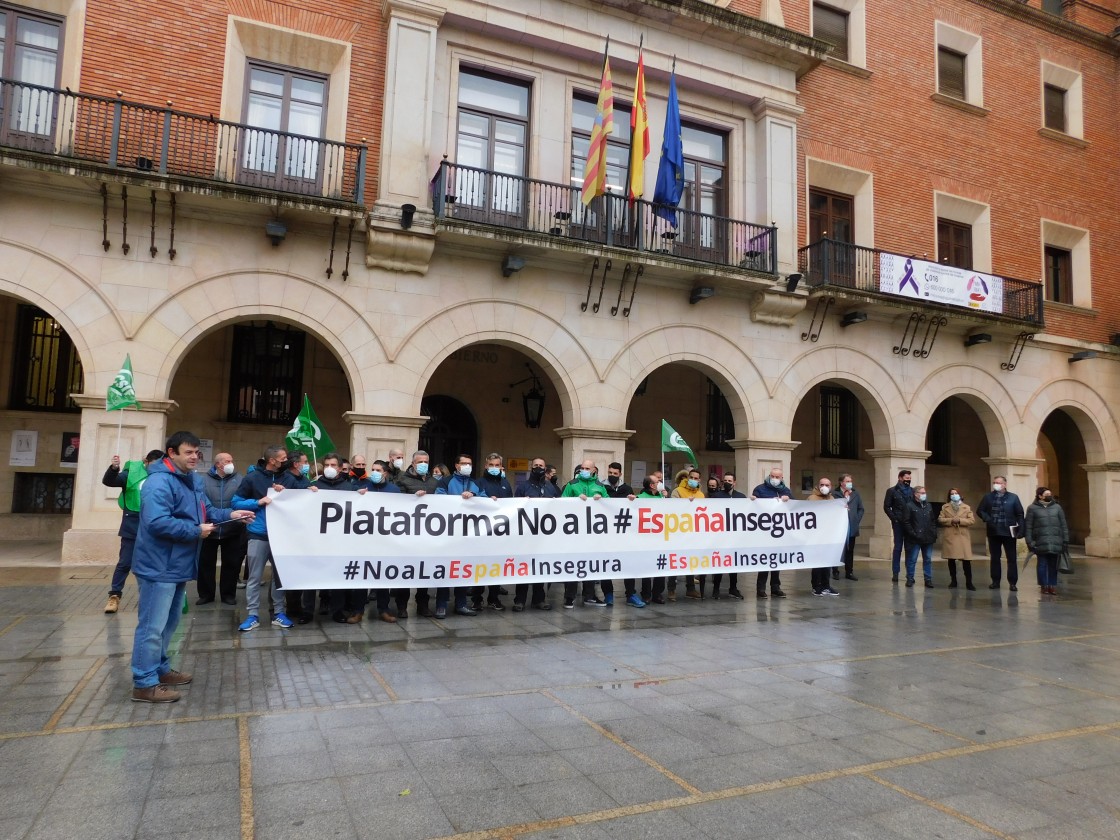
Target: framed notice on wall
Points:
x,y
24,445
68,452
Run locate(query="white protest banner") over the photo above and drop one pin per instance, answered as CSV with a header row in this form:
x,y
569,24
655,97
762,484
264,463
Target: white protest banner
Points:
x,y
342,540
914,278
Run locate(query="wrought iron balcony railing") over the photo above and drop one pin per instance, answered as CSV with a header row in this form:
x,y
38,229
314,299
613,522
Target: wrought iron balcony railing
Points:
x,y
465,193
843,265
142,138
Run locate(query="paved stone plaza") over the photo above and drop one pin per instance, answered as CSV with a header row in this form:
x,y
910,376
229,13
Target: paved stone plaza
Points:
x,y
884,713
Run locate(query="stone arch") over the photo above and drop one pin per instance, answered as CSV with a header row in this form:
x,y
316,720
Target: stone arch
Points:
x,y
731,369
861,373
984,394
1089,411
72,299
180,321
544,339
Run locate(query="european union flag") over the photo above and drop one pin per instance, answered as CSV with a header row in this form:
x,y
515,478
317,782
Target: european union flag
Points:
x,y
670,171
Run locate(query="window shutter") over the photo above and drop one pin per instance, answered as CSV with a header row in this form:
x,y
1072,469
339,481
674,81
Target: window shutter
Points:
x,y
831,26
950,72
1054,107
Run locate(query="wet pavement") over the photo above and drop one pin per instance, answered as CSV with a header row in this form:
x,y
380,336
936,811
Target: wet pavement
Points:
x,y
883,713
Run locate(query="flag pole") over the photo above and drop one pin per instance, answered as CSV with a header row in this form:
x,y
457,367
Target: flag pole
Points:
x,y
120,422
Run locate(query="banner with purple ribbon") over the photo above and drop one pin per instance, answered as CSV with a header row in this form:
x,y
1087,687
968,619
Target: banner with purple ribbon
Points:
x,y
914,278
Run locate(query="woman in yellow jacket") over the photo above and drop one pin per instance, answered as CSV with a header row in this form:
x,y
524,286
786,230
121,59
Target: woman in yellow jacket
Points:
x,y
956,543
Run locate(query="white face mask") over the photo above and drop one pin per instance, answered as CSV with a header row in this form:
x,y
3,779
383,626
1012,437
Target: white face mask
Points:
x,y
330,473
775,482
826,489
661,487
465,469
398,463
997,487
229,469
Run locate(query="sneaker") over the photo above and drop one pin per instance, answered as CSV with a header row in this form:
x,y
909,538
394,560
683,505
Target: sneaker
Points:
x,y
251,623
155,694
518,606
440,613
476,605
736,594
465,610
283,621
496,605
609,599
174,677
569,604
818,592
828,590
593,602
113,604
635,601
241,584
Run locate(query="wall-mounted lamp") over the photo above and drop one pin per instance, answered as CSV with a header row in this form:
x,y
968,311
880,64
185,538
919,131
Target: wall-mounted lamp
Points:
x,y
1083,355
511,264
532,401
978,338
700,293
792,281
853,318
407,212
275,230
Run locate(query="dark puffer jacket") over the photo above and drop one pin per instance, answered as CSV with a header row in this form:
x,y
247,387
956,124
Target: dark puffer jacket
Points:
x,y
1047,531
920,524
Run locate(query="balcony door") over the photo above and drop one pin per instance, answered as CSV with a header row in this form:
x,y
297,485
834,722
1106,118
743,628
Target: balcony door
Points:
x,y
703,227
491,149
281,142
830,217
29,60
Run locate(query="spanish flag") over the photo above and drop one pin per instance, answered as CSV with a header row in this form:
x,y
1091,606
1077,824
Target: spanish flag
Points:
x,y
595,170
639,134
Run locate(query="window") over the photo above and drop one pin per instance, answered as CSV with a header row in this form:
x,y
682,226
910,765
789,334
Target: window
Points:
x,y
830,215
493,132
960,64
705,168
1054,7
29,58
721,425
1054,107
42,493
592,223
1059,274
285,110
831,26
266,374
839,423
954,243
46,368
939,435
950,73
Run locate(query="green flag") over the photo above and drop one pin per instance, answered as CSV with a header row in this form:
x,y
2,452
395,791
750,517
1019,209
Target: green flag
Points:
x,y
307,435
673,442
122,393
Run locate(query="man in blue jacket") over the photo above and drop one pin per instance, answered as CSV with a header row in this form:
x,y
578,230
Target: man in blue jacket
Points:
x,y
459,483
174,519
253,496
774,487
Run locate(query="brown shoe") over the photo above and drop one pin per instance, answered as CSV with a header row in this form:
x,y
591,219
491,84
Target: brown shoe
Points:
x,y
693,594
388,618
356,618
155,694
113,604
174,677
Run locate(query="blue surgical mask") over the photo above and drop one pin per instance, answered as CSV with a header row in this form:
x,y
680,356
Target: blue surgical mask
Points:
x,y
955,497
494,471
422,469
585,474
693,483
305,469
376,476
921,497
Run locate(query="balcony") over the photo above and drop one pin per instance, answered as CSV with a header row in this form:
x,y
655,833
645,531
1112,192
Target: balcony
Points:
x,y
556,213
48,124
903,281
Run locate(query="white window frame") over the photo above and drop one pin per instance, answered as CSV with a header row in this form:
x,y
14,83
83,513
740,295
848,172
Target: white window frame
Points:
x,y
1075,240
857,28
1070,81
965,211
972,47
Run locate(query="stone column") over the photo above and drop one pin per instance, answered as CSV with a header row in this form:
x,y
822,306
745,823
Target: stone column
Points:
x,y
1104,501
600,445
1021,475
755,458
92,537
888,462
373,435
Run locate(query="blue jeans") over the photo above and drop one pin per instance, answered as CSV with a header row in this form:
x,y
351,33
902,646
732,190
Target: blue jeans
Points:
x,y
161,605
1048,568
912,559
130,523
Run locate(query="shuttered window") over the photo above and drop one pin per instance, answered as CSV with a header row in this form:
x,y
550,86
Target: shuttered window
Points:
x,y
1054,107
954,243
831,26
950,72
1059,274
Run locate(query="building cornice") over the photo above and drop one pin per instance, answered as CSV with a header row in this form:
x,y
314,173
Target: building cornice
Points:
x,y
1052,23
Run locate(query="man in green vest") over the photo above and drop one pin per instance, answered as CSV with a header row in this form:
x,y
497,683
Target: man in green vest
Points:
x,y
129,478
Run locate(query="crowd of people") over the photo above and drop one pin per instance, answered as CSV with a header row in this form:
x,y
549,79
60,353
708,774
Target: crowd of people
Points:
x,y
227,513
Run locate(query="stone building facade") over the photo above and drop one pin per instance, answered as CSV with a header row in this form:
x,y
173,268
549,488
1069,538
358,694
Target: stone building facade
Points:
x,y
378,205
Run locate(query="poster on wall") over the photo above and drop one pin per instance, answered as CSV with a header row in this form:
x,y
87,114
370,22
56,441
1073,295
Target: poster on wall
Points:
x,y
24,445
205,454
910,277
68,456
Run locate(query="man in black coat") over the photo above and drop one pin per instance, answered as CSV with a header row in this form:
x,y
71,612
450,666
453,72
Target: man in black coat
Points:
x,y
920,527
895,505
1002,512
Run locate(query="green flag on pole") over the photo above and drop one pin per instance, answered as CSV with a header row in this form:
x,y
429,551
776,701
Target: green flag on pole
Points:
x,y
122,393
307,435
671,441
